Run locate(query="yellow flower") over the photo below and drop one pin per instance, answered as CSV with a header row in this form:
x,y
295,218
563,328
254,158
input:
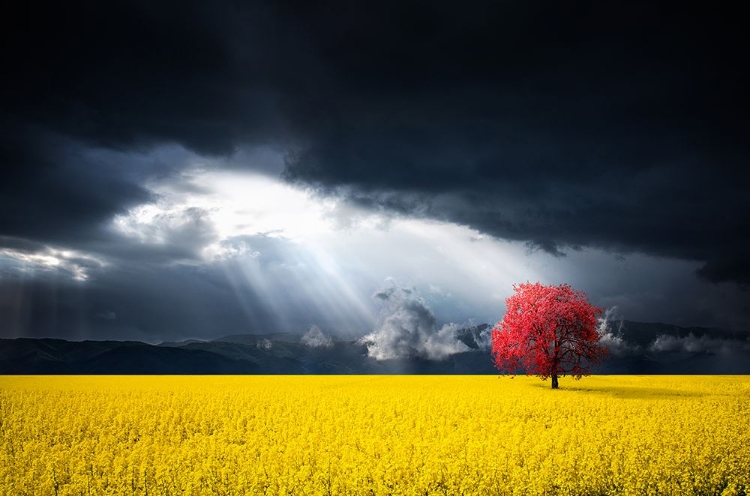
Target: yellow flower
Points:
x,y
373,435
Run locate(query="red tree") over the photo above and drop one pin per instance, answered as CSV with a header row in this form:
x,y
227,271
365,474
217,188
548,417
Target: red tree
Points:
x,y
547,331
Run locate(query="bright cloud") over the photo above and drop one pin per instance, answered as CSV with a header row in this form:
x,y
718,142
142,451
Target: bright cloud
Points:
x,y
408,328
224,205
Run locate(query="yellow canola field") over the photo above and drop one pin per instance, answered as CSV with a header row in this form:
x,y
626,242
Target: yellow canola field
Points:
x,y
374,435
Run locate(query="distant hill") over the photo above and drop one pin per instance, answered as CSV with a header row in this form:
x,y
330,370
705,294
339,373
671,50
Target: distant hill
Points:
x,y
680,351
56,356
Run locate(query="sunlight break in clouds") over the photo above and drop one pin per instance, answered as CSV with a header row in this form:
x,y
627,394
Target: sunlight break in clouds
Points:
x,y
303,254
224,205
49,259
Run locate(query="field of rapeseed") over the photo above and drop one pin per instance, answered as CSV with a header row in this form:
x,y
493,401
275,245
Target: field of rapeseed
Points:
x,y
374,435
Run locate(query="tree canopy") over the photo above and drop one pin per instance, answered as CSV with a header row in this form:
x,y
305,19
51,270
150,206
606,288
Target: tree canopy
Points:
x,y
547,331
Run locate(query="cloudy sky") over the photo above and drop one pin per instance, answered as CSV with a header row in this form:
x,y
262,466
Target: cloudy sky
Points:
x,y
196,169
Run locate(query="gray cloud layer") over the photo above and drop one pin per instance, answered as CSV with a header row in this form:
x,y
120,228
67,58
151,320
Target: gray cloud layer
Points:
x,y
618,126
561,125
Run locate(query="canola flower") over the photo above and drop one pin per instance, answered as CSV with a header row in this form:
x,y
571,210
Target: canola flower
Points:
x,y
413,435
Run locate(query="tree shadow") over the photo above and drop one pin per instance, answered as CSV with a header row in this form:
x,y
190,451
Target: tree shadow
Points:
x,y
627,392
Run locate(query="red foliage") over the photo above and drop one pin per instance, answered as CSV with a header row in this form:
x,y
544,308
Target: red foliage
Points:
x,y
547,331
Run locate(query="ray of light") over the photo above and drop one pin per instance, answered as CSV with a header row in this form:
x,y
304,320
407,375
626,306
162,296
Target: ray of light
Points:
x,y
286,253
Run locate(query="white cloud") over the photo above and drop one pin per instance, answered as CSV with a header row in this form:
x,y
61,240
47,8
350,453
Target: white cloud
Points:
x,y
484,338
610,329
408,328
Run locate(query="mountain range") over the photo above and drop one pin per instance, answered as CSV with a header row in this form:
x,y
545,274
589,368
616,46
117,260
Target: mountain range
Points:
x,y
636,348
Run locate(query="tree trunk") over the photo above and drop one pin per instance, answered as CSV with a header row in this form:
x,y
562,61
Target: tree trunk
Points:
x,y
554,381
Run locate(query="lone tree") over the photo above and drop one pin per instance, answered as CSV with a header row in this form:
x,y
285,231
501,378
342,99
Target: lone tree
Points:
x,y
547,331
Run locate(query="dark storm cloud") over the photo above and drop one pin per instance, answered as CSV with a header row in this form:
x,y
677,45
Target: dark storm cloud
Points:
x,y
563,125
123,77
618,126
54,189
123,74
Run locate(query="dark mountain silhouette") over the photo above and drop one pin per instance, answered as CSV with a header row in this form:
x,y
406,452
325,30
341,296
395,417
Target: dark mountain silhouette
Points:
x,y
681,351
